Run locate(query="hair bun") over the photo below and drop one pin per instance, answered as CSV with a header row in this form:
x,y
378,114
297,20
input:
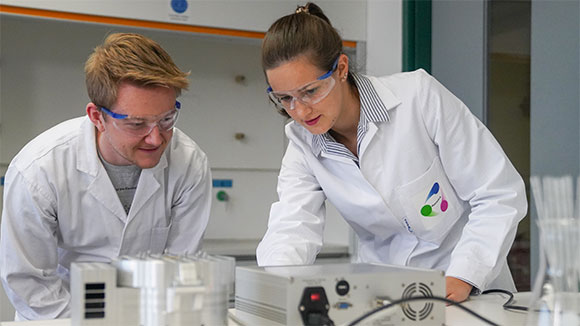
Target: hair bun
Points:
x,y
302,9
313,10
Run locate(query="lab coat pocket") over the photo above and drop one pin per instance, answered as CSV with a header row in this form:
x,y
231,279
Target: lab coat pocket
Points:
x,y
158,239
430,204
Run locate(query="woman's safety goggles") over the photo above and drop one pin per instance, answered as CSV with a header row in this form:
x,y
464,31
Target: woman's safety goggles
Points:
x,y
309,94
142,126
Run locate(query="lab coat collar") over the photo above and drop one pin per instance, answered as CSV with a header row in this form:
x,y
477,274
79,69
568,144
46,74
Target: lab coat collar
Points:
x,y
149,183
331,147
386,95
100,186
87,157
371,105
376,101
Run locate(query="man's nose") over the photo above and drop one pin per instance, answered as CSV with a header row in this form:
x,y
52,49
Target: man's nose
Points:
x,y
154,136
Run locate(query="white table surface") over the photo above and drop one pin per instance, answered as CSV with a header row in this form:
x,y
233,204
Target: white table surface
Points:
x,y
489,306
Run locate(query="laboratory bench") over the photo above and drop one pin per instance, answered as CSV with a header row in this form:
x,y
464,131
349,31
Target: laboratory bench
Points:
x,y
488,305
244,250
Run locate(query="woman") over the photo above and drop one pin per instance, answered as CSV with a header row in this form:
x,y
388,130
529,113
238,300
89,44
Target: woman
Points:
x,y
420,180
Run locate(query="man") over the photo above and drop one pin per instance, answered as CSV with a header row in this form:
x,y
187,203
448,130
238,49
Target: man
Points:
x,y
120,181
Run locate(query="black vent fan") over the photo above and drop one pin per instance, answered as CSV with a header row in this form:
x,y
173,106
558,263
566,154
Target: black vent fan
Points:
x,y
417,290
95,300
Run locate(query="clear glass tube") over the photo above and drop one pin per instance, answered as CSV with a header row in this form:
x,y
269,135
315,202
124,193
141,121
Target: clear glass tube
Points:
x,y
556,296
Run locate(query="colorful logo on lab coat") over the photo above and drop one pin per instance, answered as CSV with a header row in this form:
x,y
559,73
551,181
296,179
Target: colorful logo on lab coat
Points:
x,y
435,202
179,6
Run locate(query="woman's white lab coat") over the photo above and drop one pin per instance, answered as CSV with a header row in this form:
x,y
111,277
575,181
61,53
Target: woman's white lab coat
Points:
x,y
60,207
431,137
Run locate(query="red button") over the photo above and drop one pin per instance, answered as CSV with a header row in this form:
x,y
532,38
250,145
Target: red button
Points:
x,y
314,296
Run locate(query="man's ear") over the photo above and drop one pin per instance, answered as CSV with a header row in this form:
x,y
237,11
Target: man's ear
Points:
x,y
95,116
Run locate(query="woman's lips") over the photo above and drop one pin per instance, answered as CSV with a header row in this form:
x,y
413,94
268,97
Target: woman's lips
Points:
x,y
312,121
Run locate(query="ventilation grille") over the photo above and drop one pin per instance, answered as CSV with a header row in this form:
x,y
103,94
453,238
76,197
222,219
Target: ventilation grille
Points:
x,y
417,290
94,300
261,310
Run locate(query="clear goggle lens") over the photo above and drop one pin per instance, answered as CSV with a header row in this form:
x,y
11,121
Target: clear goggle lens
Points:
x,y
309,94
142,126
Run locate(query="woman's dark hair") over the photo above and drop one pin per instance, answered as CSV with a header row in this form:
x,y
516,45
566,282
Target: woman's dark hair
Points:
x,y
306,32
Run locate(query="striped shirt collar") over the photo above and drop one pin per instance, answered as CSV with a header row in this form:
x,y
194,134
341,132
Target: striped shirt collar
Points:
x,y
372,109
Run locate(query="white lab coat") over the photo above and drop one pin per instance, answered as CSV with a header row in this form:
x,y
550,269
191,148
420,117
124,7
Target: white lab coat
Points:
x,y
60,207
431,137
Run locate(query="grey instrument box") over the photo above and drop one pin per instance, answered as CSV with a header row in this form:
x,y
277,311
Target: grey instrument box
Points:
x,y
276,295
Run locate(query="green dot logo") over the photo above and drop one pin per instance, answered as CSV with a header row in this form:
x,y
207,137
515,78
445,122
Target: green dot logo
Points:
x,y
426,210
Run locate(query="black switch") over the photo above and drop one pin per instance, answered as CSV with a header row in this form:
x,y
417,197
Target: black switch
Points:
x,y
342,287
314,307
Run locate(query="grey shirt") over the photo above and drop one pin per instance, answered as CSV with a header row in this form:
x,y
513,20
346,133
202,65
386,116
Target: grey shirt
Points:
x,y
124,179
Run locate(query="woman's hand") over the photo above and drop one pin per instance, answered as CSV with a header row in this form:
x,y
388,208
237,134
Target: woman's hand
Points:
x,y
457,290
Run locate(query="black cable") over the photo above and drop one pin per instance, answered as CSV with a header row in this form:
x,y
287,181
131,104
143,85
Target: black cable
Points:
x,y
506,305
435,298
327,321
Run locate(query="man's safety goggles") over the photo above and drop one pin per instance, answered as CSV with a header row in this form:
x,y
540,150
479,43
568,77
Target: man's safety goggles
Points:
x,y
142,126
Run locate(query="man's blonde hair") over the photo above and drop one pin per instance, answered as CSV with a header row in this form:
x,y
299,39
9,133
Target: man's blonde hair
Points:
x,y
133,58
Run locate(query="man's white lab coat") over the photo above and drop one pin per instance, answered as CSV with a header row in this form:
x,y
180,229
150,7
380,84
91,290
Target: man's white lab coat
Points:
x,y
60,207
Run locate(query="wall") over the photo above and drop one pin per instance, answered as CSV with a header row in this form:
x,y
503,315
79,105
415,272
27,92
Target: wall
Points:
x,y
555,95
384,37
458,48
